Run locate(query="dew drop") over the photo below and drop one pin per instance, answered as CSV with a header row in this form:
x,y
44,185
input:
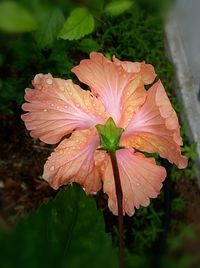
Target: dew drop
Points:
x,y
70,93
52,104
77,105
49,81
45,110
61,152
52,168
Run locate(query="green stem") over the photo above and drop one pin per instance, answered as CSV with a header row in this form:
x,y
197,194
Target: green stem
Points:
x,y
119,195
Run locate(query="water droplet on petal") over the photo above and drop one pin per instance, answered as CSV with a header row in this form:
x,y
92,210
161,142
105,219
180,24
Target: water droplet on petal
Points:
x,y
49,81
52,104
70,93
77,105
52,168
45,110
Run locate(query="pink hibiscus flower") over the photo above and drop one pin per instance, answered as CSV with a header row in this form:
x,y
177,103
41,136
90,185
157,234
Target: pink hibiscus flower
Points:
x,y
58,107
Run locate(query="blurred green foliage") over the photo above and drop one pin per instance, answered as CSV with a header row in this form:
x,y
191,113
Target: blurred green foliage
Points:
x,y
15,18
67,232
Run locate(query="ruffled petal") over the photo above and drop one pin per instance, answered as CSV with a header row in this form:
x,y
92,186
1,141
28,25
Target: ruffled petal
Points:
x,y
155,128
146,71
75,160
56,107
140,177
112,83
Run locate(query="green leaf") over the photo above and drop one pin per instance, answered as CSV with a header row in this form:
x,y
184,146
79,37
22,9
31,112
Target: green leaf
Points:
x,y
116,8
109,135
79,23
51,22
14,18
67,232
88,45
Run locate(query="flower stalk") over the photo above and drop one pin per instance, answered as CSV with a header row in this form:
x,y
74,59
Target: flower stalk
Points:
x,y
119,194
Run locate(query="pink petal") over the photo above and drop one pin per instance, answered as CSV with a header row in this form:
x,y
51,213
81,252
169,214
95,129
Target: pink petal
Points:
x,y
141,179
75,160
146,71
155,128
111,82
56,107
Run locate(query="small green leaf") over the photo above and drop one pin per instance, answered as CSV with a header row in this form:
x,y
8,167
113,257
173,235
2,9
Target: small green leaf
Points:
x,y
79,23
116,8
109,135
14,18
51,22
67,232
88,45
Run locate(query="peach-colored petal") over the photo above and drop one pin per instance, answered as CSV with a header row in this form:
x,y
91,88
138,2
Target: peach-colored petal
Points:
x,y
111,82
75,160
155,128
141,179
146,71
133,98
56,107
135,94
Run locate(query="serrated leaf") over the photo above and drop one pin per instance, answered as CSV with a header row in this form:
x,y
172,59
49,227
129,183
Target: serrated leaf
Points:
x,y
67,232
88,45
79,23
51,23
14,18
116,8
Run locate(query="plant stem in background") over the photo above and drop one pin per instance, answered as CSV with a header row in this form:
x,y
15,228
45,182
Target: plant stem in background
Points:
x,y
119,194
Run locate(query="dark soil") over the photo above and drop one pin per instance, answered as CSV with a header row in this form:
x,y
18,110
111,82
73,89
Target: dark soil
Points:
x,y
21,167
